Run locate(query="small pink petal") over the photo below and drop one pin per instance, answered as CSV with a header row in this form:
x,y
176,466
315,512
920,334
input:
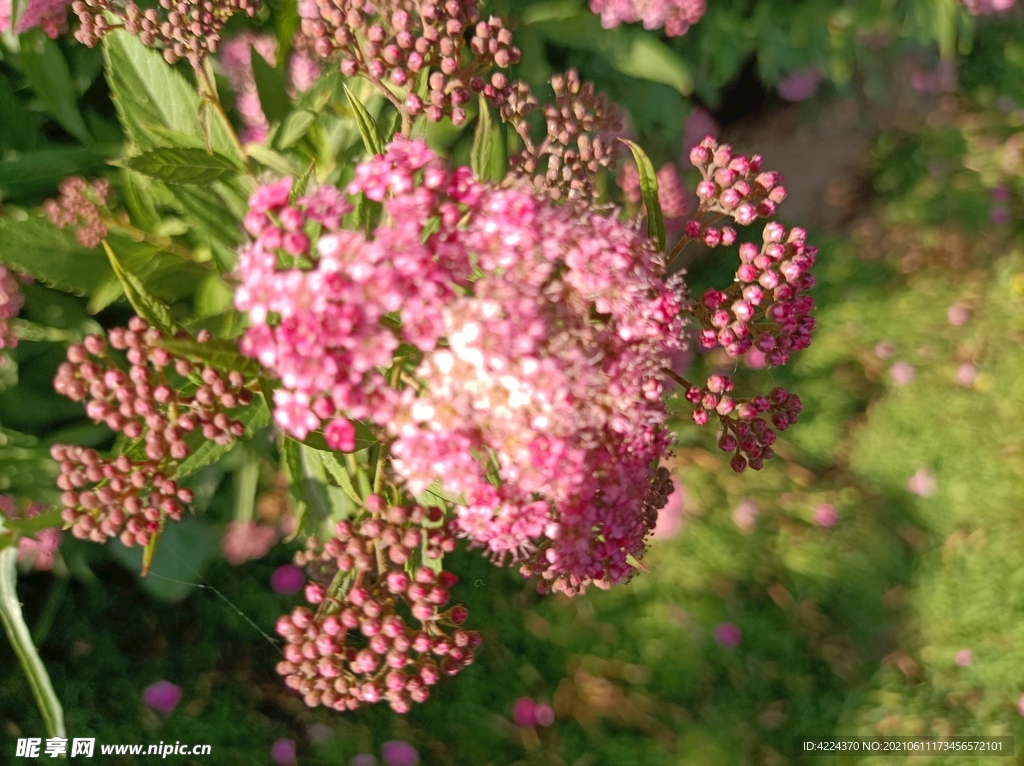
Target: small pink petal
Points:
x,y
162,696
287,579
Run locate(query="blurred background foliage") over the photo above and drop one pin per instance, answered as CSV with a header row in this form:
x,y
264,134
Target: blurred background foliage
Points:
x,y
912,434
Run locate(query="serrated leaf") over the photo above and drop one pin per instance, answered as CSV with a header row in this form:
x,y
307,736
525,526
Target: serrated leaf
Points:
x,y
21,641
146,305
205,451
372,139
148,92
36,247
271,88
48,73
307,480
181,166
218,353
480,155
649,191
271,159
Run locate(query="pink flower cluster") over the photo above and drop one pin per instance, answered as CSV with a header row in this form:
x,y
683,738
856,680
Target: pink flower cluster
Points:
x,y
675,16
79,205
552,380
334,301
49,15
10,304
38,548
236,61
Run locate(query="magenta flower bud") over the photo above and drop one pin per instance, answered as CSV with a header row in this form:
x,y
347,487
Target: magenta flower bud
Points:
x,y
287,579
399,753
728,635
706,190
825,515
700,416
282,752
745,214
162,696
524,712
699,156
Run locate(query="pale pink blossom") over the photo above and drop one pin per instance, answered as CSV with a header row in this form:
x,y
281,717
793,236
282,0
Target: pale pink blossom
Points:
x,y
675,16
922,483
246,541
11,300
48,15
800,85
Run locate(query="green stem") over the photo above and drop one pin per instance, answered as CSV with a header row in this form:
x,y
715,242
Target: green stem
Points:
x,y
58,588
21,640
209,94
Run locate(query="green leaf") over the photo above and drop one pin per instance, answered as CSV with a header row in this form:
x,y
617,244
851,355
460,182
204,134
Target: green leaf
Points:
x,y
340,474
649,190
307,479
364,439
246,480
48,73
209,210
39,172
367,126
36,247
146,305
480,155
206,451
186,548
646,57
181,166
271,88
21,640
437,496
294,127
34,524
218,353
148,93
271,159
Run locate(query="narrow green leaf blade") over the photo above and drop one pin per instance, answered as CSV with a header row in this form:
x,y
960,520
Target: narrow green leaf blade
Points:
x,y
146,305
368,129
271,88
340,474
644,56
649,190
268,158
21,640
181,166
294,127
480,155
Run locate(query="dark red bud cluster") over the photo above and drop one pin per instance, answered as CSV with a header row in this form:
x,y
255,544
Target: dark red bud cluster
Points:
x,y
744,431
148,400
186,29
395,45
582,131
767,307
115,497
361,646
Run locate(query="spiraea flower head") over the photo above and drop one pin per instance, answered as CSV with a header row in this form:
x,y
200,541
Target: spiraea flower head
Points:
x,y
80,205
674,16
11,300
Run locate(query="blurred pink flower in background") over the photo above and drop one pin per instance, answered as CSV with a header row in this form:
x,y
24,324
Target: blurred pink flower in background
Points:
x,y
287,579
958,314
964,657
363,759
966,374
885,350
676,16
319,732
728,635
698,126
39,547
744,515
985,7
756,359
545,715
162,696
902,374
246,540
524,712
800,85
399,753
826,515
670,518
49,15
922,483
283,752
